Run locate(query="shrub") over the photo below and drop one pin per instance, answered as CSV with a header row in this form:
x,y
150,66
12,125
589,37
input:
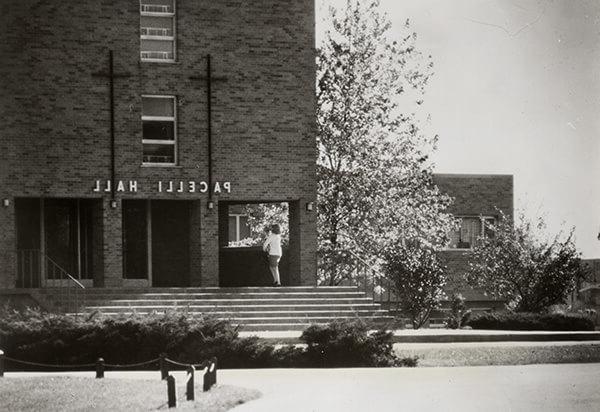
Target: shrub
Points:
x,y
531,321
459,314
59,339
348,343
530,274
417,279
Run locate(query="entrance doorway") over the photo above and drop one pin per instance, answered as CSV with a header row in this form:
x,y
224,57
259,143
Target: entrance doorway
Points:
x,y
242,261
54,235
156,241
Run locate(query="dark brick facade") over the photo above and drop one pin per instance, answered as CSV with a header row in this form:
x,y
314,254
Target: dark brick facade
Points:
x,y
56,143
474,195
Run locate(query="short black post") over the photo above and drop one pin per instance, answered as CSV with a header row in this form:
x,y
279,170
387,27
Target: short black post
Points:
x,y
214,371
210,376
100,368
171,393
164,368
189,390
1,363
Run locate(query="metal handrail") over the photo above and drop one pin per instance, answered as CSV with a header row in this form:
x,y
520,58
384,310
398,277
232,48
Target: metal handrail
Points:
x,y
38,270
63,271
375,274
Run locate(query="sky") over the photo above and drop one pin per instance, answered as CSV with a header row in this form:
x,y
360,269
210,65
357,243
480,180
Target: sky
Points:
x,y
516,90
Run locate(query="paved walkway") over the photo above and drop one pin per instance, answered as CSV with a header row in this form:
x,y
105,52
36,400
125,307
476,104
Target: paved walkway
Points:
x,y
439,335
565,387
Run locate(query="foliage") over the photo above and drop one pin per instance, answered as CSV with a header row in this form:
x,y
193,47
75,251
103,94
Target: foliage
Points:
x,y
348,344
459,314
374,177
262,216
531,321
417,279
530,274
47,338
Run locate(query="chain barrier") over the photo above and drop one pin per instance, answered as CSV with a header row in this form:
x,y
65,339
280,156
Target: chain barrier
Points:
x,y
208,367
83,365
47,365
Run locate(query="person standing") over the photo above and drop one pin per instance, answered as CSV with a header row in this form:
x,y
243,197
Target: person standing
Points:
x,y
273,247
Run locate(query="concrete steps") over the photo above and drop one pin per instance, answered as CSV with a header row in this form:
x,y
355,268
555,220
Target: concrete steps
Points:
x,y
252,308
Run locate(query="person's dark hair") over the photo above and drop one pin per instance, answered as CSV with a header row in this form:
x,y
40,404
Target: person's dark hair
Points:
x,y
276,229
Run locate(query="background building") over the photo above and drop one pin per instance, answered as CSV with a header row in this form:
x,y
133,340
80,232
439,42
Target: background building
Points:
x,y
131,127
478,201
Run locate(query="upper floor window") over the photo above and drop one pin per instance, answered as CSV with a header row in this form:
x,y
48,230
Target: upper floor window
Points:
x,y
159,138
157,30
470,230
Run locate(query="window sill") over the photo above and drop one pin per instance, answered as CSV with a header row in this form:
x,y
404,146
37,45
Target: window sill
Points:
x,y
163,165
164,61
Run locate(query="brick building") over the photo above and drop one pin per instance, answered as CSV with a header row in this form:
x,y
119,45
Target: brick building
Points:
x,y
130,129
477,202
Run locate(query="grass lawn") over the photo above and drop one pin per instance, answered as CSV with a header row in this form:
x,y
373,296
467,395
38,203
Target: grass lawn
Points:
x,y
90,394
497,353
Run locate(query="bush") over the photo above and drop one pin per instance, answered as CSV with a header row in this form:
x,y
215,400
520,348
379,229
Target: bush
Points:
x,y
348,343
459,314
417,278
530,321
530,274
58,339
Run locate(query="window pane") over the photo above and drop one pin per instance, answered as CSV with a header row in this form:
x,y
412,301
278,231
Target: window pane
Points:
x,y
157,106
488,232
454,238
158,2
157,22
469,232
163,46
158,130
244,228
159,153
232,229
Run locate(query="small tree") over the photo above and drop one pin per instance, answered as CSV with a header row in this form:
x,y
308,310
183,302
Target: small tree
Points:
x,y
530,274
417,280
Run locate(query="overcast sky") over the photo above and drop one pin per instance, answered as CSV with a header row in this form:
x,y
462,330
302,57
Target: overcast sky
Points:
x,y
516,90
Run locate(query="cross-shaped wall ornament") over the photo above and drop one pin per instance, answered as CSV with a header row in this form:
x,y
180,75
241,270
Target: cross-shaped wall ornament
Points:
x,y
111,75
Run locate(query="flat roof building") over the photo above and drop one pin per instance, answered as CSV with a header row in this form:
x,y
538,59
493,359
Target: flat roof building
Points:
x,y
130,129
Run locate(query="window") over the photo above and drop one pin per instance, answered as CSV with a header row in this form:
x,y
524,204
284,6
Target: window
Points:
x,y
471,229
157,30
238,227
159,137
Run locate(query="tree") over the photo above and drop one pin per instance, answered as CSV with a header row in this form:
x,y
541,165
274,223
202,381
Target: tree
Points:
x,y
262,216
528,273
374,177
417,279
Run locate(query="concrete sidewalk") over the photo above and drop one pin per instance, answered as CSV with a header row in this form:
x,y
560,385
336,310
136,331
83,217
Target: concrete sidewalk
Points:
x,y
442,335
572,387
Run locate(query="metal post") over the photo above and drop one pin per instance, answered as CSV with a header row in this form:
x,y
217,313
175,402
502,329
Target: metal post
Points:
x,y
164,368
171,392
189,392
100,368
112,125
1,363
209,119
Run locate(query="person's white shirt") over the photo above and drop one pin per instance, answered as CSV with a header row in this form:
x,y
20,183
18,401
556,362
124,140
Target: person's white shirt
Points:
x,y
273,244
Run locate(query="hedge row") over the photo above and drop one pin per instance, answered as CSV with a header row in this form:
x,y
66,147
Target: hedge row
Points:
x,y
531,321
58,339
